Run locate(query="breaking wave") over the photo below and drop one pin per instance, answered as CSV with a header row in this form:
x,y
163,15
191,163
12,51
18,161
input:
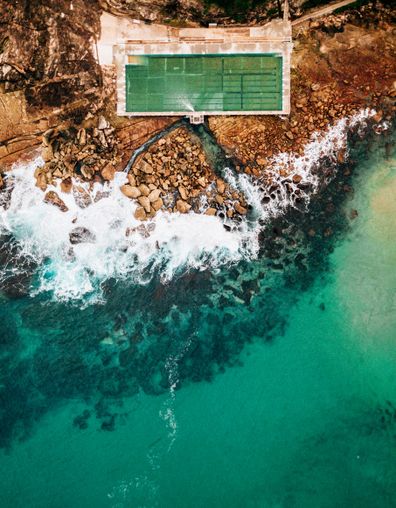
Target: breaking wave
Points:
x,y
120,247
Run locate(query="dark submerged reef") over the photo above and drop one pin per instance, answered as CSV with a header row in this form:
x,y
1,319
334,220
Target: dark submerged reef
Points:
x,y
148,337
16,268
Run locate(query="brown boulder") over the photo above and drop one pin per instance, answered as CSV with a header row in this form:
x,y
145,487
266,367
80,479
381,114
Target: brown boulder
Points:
x,y
154,195
145,167
108,172
103,123
158,204
52,198
47,153
144,189
82,137
182,206
219,199
102,139
130,192
66,185
210,211
41,181
87,171
341,156
140,213
183,192
240,209
220,186
378,116
145,202
297,178
57,173
131,180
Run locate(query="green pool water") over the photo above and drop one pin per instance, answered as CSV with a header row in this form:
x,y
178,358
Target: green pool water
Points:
x,y
307,420
204,83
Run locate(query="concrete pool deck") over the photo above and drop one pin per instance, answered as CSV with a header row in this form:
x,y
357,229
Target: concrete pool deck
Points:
x,y
123,39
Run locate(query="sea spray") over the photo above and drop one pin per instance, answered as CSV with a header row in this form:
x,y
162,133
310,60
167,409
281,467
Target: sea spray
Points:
x,y
122,249
145,484
323,146
169,244
167,412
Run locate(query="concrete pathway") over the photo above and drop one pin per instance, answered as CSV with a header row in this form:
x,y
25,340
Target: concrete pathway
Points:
x,y
322,11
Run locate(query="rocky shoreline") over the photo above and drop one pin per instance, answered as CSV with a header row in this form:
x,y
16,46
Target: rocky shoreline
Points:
x,y
174,175
341,64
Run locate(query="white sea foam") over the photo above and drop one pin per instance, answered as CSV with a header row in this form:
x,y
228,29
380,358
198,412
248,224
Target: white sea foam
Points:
x,y
322,146
175,241
171,243
167,412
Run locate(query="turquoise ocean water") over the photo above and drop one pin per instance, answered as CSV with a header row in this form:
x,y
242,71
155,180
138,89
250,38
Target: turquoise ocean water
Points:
x,y
265,384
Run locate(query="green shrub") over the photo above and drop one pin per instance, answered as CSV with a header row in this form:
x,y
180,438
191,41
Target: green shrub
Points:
x,y
238,9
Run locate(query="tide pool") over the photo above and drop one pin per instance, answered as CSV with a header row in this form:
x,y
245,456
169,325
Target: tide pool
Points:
x,y
197,396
